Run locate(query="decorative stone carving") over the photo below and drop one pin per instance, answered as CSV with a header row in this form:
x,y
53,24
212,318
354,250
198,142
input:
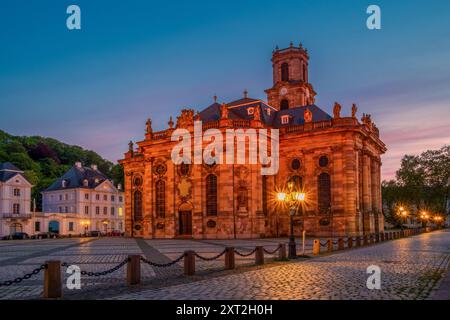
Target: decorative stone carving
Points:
x,y
241,172
159,169
170,123
186,119
184,188
337,110
307,115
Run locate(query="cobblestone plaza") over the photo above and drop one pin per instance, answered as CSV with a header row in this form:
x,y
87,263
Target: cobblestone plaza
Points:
x,y
411,268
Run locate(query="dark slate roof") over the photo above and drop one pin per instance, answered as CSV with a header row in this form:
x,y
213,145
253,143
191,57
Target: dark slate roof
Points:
x,y
241,101
297,115
238,110
75,176
8,171
9,166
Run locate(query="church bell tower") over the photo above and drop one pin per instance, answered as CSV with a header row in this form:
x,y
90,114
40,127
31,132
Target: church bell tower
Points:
x,y
290,79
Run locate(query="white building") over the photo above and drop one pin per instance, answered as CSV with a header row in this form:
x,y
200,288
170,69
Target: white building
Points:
x,y
82,200
15,201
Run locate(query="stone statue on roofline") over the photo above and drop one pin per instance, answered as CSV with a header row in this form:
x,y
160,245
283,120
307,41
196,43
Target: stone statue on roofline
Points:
x,y
197,116
148,124
130,147
223,111
354,110
257,114
337,110
307,115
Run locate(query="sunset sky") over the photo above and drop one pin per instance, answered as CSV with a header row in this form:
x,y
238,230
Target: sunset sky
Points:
x,y
137,59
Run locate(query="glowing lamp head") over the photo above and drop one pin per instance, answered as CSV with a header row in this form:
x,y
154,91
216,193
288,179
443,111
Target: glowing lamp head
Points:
x,y
300,196
281,196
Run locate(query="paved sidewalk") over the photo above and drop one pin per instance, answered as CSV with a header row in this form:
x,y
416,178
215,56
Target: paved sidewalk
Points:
x,y
411,268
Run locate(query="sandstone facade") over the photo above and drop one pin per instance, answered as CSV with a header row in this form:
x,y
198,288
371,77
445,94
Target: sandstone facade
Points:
x,y
335,160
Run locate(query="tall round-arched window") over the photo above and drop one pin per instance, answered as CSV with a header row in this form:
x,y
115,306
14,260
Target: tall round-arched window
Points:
x,y
211,195
324,192
137,205
285,72
160,188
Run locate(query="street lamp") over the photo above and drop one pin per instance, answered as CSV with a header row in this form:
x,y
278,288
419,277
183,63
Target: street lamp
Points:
x,y
403,215
292,199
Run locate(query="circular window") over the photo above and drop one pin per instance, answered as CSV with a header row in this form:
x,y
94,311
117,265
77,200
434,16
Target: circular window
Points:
x,y
323,161
296,164
137,227
161,169
138,181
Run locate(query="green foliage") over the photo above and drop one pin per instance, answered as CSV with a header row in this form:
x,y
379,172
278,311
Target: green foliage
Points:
x,y
422,182
46,159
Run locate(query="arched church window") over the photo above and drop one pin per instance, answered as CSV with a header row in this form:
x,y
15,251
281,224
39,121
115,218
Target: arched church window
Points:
x,y
160,188
324,192
137,204
211,195
284,104
285,72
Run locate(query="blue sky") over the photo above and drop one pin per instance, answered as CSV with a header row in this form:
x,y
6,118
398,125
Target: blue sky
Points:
x,y
136,59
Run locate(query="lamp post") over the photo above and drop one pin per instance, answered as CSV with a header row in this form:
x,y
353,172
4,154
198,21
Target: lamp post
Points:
x,y
292,199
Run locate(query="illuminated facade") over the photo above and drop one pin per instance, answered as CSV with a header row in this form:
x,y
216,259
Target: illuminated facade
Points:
x,y
335,159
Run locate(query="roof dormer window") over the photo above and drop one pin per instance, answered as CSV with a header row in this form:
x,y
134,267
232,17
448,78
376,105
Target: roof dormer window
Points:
x,y
64,183
250,111
285,119
85,183
268,111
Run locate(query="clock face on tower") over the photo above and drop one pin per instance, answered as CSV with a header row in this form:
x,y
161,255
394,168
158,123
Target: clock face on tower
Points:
x,y
283,91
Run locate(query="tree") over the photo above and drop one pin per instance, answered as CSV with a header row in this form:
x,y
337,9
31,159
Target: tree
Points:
x,y
422,181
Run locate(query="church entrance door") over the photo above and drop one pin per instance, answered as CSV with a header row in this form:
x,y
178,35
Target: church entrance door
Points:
x,y
185,223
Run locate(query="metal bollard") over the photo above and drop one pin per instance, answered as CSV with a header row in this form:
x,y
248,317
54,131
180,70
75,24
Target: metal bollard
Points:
x,y
341,244
358,241
134,270
365,240
259,255
229,258
350,242
282,252
52,280
189,263
377,237
330,245
382,236
316,247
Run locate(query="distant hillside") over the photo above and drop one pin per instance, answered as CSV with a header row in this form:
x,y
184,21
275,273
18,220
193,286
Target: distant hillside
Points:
x,y
45,159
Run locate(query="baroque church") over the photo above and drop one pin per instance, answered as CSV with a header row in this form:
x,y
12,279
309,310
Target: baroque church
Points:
x,y
333,159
